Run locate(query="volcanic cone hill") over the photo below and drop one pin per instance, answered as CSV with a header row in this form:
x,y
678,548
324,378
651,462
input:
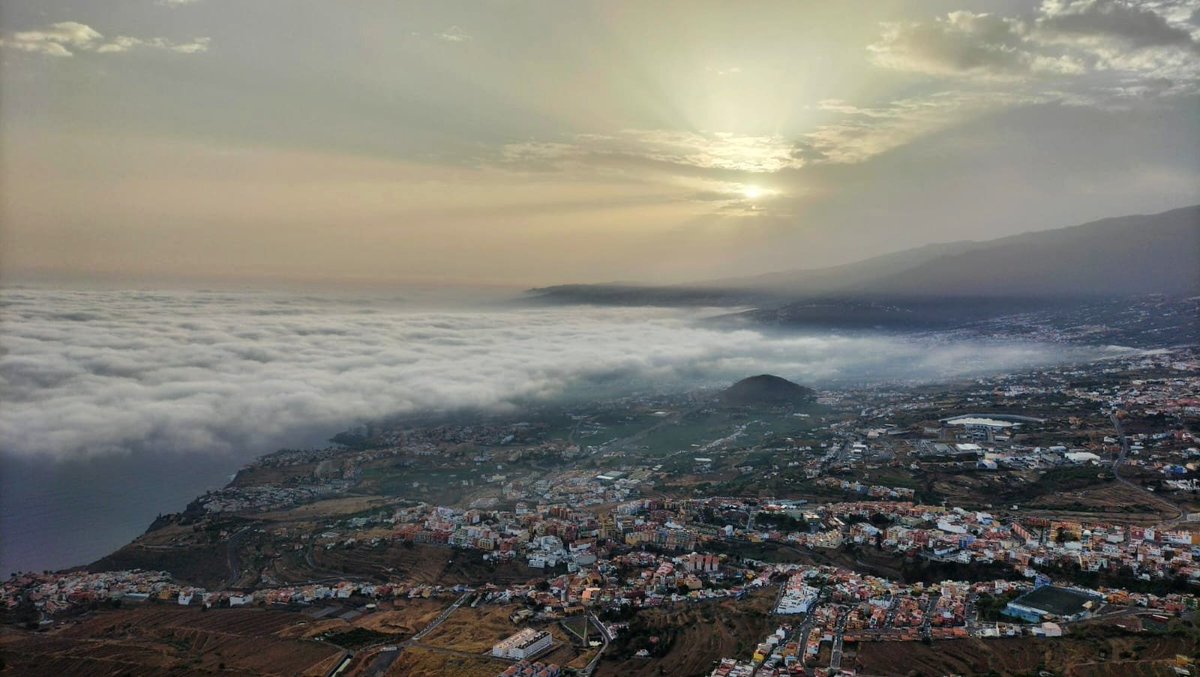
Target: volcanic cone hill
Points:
x,y
766,390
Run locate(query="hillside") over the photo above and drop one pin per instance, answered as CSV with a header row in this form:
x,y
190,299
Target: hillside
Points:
x,y
766,389
1157,254
827,280
1123,256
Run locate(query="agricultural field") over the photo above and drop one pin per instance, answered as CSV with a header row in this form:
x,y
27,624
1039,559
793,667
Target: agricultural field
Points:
x,y
1110,502
474,630
477,630
394,621
158,639
1120,656
405,617
426,662
687,640
333,508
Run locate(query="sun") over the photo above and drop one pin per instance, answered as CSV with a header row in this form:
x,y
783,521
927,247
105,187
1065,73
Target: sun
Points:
x,y
752,192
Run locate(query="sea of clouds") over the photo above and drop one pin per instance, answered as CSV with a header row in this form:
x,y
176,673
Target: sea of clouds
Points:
x,y
101,372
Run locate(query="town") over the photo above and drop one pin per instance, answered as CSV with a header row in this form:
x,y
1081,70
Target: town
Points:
x,y
1057,505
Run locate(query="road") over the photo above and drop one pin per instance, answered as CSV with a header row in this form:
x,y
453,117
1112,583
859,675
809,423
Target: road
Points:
x,y
441,618
1179,513
971,619
605,637
893,608
389,654
383,662
1124,451
835,658
232,557
806,628
927,624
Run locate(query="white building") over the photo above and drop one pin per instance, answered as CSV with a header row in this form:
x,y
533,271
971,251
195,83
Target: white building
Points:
x,y
526,643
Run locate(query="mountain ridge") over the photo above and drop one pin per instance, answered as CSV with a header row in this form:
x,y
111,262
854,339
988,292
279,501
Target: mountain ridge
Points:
x,y
1116,256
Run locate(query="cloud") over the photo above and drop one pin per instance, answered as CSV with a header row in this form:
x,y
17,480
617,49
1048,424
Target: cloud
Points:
x,y
1104,54
1064,41
861,133
696,150
855,135
125,44
95,373
453,34
1098,20
737,198
960,42
194,47
68,38
55,40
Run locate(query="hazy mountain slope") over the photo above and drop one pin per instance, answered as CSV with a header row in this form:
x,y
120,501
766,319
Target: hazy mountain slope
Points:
x,y
648,295
757,289
1128,255
821,280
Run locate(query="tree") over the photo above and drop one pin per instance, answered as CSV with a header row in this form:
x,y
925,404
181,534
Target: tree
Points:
x,y
1064,536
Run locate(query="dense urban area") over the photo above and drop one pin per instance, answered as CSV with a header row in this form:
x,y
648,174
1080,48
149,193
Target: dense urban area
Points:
x,y
1043,522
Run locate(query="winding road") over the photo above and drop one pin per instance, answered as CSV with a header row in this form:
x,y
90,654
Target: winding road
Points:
x,y
604,636
1179,513
231,554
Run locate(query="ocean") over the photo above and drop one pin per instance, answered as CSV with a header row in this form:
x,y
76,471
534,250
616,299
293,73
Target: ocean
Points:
x,y
60,514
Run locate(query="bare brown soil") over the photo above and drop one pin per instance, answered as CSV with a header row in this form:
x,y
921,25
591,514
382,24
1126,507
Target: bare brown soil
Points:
x,y
1124,656
424,662
474,630
477,630
406,617
1113,502
700,634
159,639
327,509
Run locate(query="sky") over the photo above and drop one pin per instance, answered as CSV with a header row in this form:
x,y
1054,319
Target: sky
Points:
x,y
525,142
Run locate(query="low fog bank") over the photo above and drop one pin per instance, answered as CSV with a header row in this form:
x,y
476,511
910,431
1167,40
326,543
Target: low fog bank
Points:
x,y
104,372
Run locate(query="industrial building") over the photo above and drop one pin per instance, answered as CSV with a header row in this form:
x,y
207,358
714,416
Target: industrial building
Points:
x,y
525,644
